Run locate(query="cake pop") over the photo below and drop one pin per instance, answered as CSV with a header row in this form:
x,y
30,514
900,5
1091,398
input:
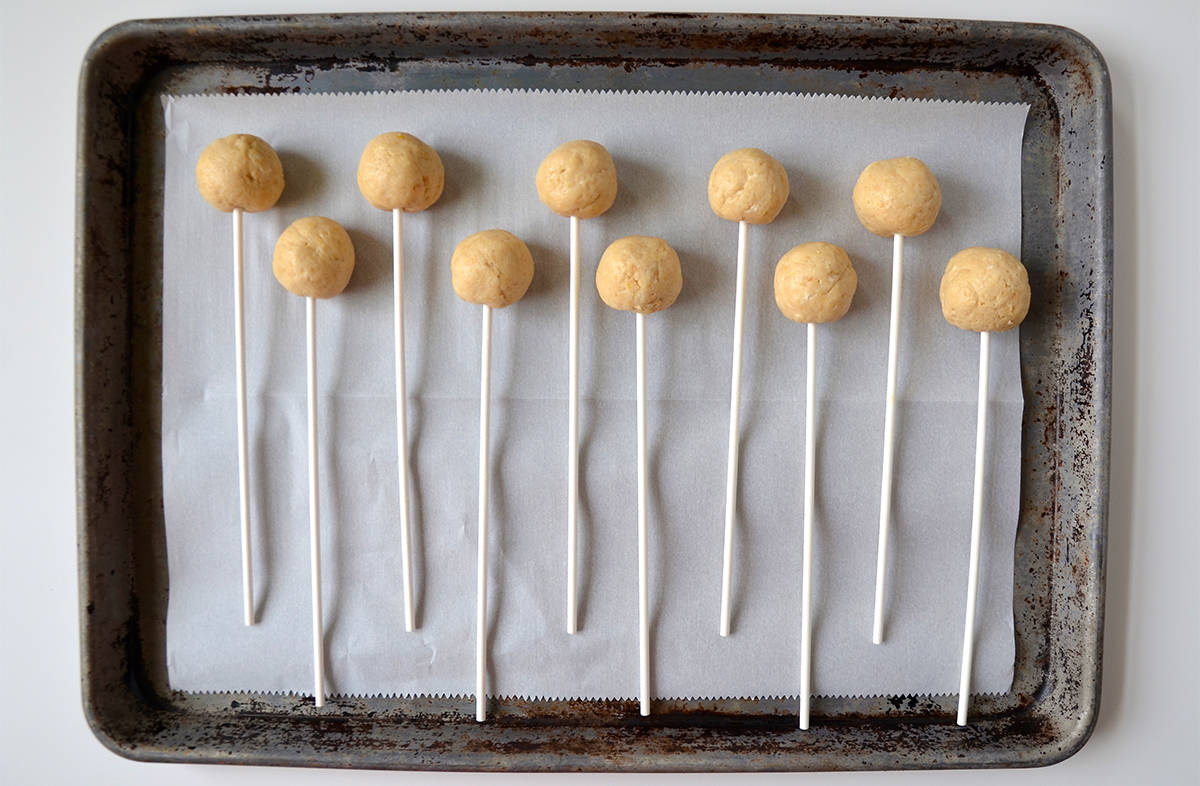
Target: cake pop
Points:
x,y
985,290
235,174
814,282
402,174
579,180
314,259
642,275
750,187
899,197
492,269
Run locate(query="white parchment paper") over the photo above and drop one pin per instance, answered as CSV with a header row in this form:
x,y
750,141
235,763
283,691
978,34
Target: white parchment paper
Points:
x,y
664,146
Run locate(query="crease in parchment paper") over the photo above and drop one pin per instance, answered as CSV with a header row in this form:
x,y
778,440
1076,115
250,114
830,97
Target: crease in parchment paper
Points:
x,y
664,145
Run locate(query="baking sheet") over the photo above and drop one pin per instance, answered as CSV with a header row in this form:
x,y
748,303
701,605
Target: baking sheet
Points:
x,y
664,145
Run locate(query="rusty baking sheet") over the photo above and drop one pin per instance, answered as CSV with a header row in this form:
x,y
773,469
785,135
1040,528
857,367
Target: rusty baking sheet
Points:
x,y
1066,346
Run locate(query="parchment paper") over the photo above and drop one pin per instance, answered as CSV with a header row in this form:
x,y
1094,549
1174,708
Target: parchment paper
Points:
x,y
664,146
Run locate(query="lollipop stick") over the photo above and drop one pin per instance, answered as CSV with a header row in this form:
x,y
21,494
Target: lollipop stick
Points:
x,y
314,511
889,418
643,578
810,465
239,351
573,430
485,383
735,405
964,682
402,415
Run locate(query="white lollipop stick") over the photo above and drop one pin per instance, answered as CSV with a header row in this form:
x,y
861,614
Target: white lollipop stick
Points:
x,y
735,405
810,465
402,415
573,431
889,417
239,351
314,509
964,683
643,577
481,627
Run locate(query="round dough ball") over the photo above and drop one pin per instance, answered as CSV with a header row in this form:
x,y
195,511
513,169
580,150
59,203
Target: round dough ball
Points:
x,y
639,274
897,196
314,257
578,179
815,282
399,171
984,289
747,185
240,171
492,268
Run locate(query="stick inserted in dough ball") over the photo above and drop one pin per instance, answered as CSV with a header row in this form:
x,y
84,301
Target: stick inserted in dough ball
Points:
x,y
237,174
750,187
815,282
402,174
897,196
639,274
747,185
397,171
240,172
642,275
314,257
578,179
491,268
984,289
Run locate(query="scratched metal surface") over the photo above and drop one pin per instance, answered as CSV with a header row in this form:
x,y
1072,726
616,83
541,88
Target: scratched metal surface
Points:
x,y
1066,370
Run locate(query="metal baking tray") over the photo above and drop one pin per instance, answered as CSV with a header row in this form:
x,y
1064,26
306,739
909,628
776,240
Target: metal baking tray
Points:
x,y
1066,348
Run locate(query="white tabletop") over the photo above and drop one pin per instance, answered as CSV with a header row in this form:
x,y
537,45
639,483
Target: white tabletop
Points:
x,y
1148,729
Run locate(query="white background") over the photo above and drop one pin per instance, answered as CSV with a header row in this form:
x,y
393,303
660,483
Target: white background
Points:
x,y
1148,729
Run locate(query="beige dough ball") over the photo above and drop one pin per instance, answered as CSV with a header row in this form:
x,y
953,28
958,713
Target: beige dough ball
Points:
x,y
747,185
578,179
314,257
399,171
815,282
897,196
985,289
639,274
239,171
492,268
